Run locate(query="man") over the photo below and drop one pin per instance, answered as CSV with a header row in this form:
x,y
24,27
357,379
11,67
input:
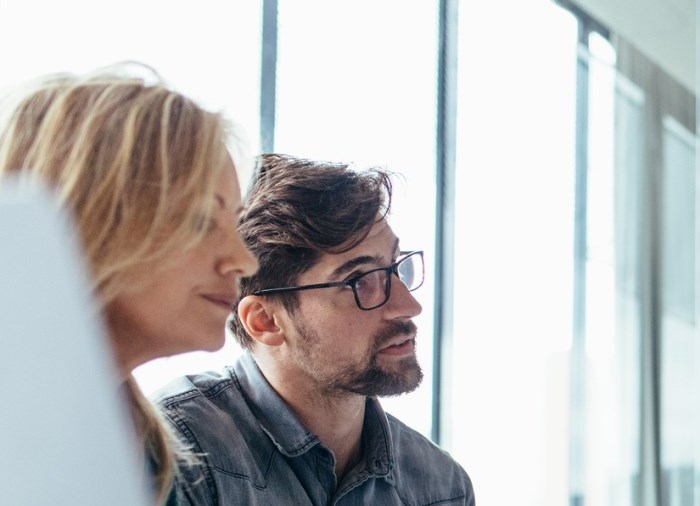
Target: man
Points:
x,y
327,323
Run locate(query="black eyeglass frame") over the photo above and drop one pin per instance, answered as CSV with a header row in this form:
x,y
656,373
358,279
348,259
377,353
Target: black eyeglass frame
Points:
x,y
392,269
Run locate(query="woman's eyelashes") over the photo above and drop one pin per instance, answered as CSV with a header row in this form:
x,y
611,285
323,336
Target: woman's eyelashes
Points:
x,y
203,223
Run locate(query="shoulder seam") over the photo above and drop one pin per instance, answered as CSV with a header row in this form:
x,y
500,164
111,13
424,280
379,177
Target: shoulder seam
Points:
x,y
211,392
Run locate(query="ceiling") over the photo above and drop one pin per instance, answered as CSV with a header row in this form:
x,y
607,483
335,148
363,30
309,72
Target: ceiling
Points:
x,y
664,30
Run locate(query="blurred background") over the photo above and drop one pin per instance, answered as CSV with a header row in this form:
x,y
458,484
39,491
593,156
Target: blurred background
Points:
x,y
548,154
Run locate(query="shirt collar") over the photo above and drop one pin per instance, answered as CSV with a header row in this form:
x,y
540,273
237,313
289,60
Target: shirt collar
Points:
x,y
276,418
292,438
376,439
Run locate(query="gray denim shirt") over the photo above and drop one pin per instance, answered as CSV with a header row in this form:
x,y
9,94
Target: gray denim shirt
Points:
x,y
254,451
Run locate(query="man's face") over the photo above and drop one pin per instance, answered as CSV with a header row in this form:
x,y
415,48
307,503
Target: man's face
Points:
x,y
343,349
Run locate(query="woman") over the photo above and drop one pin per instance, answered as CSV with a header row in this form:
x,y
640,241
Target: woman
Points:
x,y
152,188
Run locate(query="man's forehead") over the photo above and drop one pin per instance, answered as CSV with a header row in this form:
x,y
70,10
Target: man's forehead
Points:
x,y
379,247
381,240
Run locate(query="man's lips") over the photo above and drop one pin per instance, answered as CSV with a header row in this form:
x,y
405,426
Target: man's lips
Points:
x,y
398,346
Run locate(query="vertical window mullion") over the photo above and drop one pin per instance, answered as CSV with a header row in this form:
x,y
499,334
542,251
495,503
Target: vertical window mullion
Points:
x,y
445,209
577,440
268,76
650,298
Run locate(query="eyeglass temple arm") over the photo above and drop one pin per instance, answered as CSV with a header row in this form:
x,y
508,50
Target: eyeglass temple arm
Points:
x,y
268,291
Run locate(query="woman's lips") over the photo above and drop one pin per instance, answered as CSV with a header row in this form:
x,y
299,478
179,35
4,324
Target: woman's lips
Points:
x,y
223,300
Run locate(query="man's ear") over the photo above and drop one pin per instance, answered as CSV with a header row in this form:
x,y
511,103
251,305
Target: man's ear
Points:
x,y
258,318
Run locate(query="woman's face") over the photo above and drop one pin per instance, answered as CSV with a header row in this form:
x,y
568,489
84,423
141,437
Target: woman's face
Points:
x,y
184,306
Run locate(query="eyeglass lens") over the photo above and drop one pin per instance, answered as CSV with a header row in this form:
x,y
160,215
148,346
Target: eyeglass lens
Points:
x,y
372,289
407,271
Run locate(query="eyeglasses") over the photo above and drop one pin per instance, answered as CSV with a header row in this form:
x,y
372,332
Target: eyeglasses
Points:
x,y
372,288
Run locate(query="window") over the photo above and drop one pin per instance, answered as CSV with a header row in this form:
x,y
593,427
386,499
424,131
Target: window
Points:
x,y
348,92
679,328
611,408
211,52
509,398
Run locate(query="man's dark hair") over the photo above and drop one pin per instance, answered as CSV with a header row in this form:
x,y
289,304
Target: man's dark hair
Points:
x,y
296,211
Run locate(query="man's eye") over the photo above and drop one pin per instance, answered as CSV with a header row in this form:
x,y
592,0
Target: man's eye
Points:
x,y
370,280
353,276
361,281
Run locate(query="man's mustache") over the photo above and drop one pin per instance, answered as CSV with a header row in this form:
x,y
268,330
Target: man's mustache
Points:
x,y
395,328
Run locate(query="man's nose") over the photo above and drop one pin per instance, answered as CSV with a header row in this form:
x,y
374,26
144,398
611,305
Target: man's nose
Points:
x,y
402,304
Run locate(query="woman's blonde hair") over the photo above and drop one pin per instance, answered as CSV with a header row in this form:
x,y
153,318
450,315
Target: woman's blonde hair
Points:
x,y
136,164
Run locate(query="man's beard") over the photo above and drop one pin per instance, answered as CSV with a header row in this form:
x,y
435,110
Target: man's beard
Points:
x,y
368,378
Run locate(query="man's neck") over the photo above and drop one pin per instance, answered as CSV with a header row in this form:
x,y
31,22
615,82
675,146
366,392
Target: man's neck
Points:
x,y
338,424
336,419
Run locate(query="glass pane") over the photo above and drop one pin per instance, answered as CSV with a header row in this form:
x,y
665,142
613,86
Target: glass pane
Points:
x,y
514,246
679,390
612,319
356,82
211,52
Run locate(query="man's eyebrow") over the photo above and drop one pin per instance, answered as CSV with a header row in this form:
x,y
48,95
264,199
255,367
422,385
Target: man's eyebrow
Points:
x,y
355,262
362,260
